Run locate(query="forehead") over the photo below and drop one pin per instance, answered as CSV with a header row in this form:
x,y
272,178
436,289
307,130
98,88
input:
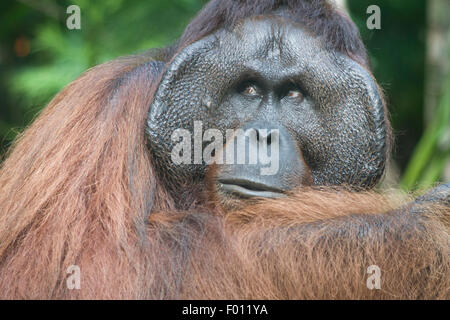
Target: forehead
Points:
x,y
275,45
274,29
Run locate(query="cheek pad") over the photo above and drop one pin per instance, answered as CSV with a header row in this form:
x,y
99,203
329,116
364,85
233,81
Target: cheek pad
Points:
x,y
350,144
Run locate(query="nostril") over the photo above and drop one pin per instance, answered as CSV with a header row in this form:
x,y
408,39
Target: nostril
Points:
x,y
257,134
269,138
264,134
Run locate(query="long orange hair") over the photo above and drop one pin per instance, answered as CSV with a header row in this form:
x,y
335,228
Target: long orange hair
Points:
x,y
79,179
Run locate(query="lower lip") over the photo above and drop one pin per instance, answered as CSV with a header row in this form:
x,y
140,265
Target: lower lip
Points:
x,y
247,193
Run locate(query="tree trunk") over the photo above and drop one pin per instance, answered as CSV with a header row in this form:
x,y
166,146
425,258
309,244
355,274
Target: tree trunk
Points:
x,y
437,60
437,63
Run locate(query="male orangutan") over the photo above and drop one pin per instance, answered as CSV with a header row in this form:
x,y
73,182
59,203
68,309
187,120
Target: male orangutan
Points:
x,y
94,182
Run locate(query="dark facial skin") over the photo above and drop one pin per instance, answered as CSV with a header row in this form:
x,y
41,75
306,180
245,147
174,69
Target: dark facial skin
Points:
x,y
271,74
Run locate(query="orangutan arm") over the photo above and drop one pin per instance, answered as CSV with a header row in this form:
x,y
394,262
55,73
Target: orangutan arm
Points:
x,y
277,255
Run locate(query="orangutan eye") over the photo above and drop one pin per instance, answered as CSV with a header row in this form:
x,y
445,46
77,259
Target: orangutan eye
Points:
x,y
294,94
292,91
250,90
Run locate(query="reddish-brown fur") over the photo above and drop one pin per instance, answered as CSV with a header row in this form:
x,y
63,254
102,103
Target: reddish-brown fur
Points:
x,y
78,186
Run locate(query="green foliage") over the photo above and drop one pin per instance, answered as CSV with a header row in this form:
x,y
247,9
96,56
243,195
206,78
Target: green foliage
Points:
x,y
432,153
108,29
68,57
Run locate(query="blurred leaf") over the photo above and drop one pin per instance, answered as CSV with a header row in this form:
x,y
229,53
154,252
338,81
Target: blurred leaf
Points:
x,y
433,150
